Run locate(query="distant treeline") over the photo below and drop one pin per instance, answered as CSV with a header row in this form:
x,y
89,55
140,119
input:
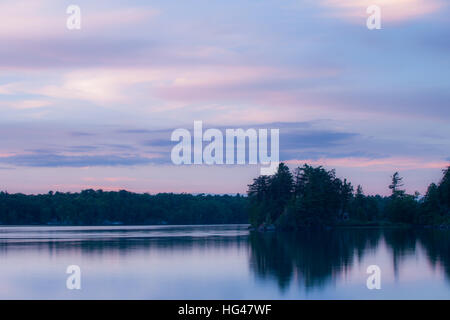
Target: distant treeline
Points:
x,y
99,207
315,197
307,197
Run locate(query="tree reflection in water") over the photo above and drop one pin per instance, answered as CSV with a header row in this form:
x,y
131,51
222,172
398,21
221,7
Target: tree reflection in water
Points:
x,y
313,258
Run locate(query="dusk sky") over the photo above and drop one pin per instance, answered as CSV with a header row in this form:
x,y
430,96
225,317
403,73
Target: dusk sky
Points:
x,y
95,107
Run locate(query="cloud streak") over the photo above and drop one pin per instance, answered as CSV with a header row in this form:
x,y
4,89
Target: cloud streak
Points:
x,y
58,160
392,10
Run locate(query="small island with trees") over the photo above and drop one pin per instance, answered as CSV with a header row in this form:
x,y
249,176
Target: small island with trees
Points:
x,y
308,197
314,197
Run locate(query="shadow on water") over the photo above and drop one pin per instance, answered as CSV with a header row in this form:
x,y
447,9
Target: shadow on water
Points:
x,y
314,258
437,246
309,257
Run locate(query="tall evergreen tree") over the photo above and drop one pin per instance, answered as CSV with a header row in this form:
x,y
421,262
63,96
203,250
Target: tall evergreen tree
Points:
x,y
444,188
396,185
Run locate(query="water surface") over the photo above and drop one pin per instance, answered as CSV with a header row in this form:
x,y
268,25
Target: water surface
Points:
x,y
222,262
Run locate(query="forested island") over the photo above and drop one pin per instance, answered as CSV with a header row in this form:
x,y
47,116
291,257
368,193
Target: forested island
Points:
x,y
308,197
315,197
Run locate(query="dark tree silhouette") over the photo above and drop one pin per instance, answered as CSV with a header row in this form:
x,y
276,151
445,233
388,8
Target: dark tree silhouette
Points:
x,y
315,197
396,185
92,207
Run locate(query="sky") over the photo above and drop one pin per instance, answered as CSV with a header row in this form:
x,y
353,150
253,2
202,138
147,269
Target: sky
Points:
x,y
95,107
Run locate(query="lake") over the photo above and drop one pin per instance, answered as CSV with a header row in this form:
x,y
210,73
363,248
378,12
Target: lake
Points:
x,y
222,262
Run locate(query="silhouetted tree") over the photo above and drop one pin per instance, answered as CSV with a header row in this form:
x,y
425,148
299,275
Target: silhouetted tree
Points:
x,y
314,197
444,188
396,185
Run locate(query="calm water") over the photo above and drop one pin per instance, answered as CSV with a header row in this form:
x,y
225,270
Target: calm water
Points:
x,y
222,262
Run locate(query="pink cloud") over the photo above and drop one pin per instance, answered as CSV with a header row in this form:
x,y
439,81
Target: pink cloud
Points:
x,y
391,10
47,18
393,163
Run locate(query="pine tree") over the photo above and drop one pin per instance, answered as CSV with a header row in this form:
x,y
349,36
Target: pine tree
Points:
x,y
396,185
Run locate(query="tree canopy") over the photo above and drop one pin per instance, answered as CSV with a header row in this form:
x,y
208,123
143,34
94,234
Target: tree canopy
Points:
x,y
94,207
315,197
